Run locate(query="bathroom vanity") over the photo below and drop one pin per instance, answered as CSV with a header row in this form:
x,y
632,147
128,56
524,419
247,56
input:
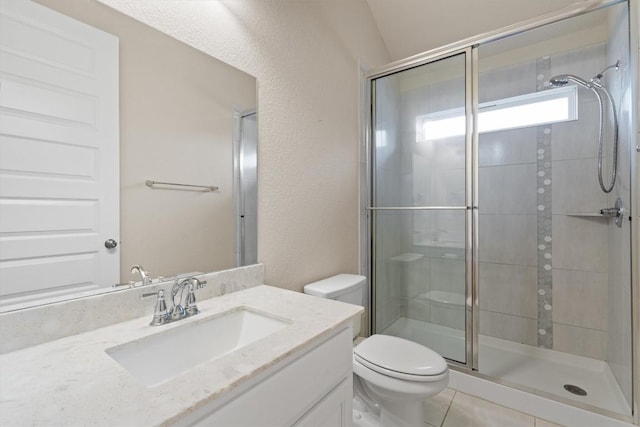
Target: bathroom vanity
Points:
x,y
299,373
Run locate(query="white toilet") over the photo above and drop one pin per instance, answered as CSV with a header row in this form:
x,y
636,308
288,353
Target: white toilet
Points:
x,y
392,376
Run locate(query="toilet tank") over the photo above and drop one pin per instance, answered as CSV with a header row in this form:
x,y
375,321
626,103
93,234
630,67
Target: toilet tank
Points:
x,y
347,288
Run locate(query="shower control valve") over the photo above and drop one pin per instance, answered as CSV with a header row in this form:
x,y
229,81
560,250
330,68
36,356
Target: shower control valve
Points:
x,y
610,212
616,212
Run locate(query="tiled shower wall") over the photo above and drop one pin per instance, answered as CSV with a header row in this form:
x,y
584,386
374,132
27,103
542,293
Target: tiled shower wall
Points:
x,y
507,203
528,276
518,227
579,261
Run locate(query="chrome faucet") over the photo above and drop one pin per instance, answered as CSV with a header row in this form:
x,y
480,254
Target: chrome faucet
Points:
x,y
177,311
144,275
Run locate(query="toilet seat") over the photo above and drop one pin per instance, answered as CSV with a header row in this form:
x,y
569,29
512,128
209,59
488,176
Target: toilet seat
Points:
x,y
393,388
399,358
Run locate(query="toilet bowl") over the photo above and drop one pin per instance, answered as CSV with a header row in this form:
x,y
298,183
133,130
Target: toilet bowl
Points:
x,y
391,375
396,375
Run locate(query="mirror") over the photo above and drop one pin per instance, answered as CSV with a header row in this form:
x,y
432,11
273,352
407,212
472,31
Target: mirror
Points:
x,y
182,114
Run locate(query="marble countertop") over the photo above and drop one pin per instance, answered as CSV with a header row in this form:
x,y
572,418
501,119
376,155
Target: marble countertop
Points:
x,y
72,381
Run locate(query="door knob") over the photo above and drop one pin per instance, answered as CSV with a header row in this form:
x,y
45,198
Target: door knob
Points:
x,y
110,243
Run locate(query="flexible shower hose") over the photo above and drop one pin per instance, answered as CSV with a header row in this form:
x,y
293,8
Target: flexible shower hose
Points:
x,y
614,169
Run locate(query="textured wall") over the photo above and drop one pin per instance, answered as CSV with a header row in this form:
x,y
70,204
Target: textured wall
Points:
x,y
305,56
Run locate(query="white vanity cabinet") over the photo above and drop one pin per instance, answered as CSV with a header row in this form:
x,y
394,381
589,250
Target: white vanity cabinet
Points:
x,y
312,387
299,375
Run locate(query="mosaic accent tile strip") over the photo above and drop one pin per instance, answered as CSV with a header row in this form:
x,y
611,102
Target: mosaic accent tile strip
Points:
x,y
545,274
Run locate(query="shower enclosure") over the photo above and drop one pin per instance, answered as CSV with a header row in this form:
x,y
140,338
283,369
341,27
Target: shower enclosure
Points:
x,y
500,179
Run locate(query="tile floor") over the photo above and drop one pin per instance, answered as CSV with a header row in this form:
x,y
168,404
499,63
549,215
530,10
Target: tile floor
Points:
x,y
455,409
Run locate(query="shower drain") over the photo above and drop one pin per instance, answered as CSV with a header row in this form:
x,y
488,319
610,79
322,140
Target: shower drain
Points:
x,y
575,389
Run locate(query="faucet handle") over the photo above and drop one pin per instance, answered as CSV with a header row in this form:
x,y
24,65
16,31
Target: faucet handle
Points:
x,y
190,306
160,314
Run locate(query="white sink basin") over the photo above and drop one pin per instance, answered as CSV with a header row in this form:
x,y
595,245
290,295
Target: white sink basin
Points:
x,y
161,357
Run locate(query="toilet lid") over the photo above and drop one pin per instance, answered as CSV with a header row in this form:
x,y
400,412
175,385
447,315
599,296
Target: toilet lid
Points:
x,y
393,354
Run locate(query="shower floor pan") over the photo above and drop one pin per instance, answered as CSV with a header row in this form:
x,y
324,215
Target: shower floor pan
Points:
x,y
533,367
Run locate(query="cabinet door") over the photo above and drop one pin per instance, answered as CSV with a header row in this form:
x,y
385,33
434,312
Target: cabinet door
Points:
x,y
288,392
335,410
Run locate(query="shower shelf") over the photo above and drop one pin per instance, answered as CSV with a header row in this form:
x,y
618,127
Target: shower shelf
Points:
x,y
589,214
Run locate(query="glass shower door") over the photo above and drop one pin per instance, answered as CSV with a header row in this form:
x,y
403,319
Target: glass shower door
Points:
x,y
419,204
554,272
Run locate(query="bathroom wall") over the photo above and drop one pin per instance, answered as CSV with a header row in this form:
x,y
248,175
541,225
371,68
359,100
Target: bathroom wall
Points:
x,y
305,57
176,124
508,213
580,267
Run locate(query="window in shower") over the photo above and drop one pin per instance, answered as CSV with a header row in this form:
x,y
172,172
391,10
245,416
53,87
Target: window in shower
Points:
x,y
532,109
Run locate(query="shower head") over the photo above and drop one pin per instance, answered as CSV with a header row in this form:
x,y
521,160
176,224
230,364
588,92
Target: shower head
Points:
x,y
564,79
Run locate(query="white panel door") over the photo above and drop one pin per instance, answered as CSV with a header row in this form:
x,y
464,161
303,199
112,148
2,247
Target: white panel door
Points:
x,y
59,137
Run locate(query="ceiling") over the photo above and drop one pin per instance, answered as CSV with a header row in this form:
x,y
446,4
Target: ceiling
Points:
x,y
409,27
